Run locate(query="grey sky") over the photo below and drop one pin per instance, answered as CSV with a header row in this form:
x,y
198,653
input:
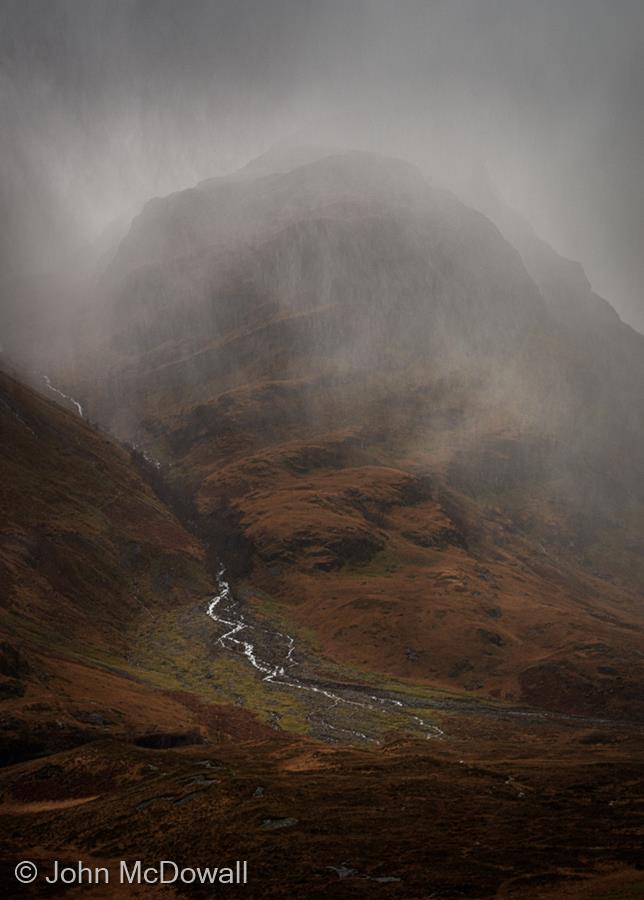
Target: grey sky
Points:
x,y
104,103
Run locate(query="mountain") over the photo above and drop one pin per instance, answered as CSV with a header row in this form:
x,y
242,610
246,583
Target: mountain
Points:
x,y
609,350
417,442
347,579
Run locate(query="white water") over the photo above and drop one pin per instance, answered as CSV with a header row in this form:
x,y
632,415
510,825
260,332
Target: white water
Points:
x,y
233,619
146,456
60,393
150,459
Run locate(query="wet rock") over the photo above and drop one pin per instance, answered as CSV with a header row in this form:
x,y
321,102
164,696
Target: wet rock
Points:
x,y
343,871
275,824
91,718
181,801
199,779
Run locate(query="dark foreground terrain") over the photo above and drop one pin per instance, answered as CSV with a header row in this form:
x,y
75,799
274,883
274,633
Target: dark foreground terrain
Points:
x,y
496,810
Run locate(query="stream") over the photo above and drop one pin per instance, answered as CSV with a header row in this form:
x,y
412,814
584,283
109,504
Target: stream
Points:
x,y
272,655
55,390
353,712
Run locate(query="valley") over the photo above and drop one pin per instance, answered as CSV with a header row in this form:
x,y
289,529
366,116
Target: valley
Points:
x,y
308,558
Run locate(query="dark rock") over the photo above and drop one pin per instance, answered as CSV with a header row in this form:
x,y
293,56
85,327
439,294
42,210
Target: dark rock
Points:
x,y
145,803
181,801
343,871
490,637
494,612
47,772
416,490
274,824
440,539
11,687
459,667
91,718
12,661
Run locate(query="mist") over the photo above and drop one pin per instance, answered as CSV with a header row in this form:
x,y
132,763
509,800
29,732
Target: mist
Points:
x,y
321,429
106,104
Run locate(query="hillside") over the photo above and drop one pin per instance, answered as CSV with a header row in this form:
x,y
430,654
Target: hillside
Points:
x,y
351,391
389,427
87,554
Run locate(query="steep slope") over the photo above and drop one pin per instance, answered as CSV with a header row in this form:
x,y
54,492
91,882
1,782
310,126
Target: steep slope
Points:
x,y
604,349
382,423
328,264
87,553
